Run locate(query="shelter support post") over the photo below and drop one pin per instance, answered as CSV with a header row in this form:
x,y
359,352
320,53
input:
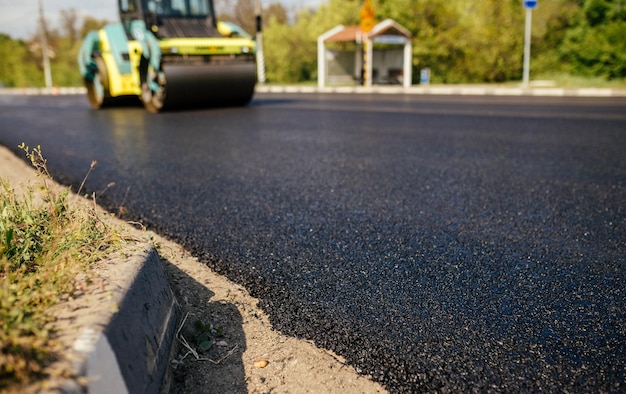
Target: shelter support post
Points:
x,y
407,77
321,55
321,63
369,54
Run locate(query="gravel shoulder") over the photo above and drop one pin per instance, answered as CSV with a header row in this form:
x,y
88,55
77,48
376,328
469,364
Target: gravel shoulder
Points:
x,y
246,356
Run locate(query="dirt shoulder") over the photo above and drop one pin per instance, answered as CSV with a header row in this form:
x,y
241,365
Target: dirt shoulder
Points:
x,y
246,355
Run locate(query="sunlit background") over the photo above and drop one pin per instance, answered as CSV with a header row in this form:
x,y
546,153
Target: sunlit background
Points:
x,y
19,18
575,43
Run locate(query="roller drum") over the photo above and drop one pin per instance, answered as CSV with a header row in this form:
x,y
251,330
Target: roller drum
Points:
x,y
201,85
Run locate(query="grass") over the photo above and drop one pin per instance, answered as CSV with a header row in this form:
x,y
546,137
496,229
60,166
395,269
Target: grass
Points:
x,y
45,242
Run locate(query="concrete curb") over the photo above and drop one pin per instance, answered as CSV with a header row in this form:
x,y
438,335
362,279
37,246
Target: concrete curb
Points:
x,y
449,90
446,90
129,349
55,91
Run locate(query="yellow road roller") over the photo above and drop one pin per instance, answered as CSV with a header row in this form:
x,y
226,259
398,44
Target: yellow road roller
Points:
x,y
170,54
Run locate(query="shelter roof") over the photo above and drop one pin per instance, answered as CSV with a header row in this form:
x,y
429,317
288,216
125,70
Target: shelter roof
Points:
x,y
388,27
348,33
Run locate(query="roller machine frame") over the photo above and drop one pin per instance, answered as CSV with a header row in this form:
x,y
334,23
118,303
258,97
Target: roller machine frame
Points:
x,y
169,54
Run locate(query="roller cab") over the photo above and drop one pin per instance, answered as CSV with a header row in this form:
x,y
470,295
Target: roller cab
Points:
x,y
169,54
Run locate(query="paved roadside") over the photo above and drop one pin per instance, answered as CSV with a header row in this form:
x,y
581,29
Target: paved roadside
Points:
x,y
450,90
133,329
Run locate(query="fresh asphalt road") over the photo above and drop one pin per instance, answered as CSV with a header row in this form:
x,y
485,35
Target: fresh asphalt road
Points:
x,y
438,243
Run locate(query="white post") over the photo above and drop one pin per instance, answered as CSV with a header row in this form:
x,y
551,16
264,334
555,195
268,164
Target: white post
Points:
x,y
529,17
369,63
260,57
321,63
407,74
44,48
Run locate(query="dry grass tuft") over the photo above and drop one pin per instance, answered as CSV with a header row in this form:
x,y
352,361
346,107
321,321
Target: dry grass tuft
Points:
x,y
45,243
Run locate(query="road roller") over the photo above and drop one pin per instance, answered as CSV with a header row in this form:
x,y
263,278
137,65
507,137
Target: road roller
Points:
x,y
170,54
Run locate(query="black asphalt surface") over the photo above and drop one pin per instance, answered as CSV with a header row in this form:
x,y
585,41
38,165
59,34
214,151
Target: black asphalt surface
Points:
x,y
445,244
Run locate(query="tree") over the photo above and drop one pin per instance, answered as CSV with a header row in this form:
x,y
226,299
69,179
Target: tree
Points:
x,y
275,11
90,23
63,46
551,23
596,44
242,13
17,67
439,36
69,19
291,50
245,15
494,51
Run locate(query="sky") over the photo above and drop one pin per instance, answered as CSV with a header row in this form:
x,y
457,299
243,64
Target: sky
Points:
x,y
18,18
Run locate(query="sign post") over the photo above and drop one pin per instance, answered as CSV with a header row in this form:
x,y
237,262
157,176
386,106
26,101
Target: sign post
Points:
x,y
260,57
529,5
367,24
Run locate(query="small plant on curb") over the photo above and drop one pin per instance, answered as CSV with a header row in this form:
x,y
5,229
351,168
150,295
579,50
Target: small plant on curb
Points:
x,y
206,334
45,243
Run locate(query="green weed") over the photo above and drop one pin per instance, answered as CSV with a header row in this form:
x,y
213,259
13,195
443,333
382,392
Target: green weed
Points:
x,y
206,334
44,244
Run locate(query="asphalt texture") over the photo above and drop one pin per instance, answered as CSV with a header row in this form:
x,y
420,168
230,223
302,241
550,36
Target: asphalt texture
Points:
x,y
445,244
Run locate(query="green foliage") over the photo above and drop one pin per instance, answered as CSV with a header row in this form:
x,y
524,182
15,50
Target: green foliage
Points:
x,y
17,66
291,50
293,58
463,41
596,43
550,27
21,63
275,11
65,68
44,244
460,41
438,33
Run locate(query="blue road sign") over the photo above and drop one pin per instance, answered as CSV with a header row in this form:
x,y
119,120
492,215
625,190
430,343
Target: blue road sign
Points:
x,y
530,3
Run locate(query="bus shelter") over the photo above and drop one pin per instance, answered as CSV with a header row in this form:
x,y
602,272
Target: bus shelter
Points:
x,y
348,55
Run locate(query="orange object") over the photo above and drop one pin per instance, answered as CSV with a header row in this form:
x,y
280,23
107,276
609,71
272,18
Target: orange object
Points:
x,y
367,16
